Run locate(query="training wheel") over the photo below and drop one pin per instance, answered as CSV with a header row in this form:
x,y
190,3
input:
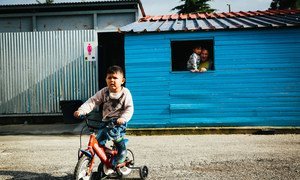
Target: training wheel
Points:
x,y
143,172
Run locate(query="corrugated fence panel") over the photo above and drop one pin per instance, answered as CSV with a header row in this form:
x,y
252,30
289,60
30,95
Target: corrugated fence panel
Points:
x,y
256,81
38,69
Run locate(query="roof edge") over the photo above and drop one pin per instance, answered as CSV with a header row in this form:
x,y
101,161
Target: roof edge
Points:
x,y
66,4
217,15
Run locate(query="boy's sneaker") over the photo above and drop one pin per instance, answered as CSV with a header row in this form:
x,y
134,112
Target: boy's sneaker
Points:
x,y
107,171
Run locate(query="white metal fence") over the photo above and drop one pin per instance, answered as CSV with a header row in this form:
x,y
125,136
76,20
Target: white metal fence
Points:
x,y
38,69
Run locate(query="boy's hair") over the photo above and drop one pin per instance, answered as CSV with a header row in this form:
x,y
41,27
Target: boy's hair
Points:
x,y
115,69
197,47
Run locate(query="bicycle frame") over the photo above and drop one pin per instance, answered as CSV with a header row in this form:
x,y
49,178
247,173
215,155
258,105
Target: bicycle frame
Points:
x,y
106,156
101,151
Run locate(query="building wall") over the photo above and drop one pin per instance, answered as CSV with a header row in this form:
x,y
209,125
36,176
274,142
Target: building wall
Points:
x,y
256,81
42,58
16,24
104,20
39,69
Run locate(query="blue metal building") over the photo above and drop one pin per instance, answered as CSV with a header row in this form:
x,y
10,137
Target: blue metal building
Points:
x,y
255,80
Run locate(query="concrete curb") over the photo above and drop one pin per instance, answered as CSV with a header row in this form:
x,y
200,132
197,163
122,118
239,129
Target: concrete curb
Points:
x,y
45,129
75,129
214,130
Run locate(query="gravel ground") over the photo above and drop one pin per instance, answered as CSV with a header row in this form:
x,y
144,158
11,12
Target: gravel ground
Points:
x,y
167,157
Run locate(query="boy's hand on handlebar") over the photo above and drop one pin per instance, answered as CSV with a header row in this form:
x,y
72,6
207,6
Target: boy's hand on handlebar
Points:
x,y
121,121
77,114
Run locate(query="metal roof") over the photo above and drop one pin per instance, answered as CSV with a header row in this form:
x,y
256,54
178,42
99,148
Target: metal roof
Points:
x,y
213,21
18,8
33,2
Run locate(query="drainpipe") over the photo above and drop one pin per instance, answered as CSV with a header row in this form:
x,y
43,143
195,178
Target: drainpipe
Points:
x,y
141,8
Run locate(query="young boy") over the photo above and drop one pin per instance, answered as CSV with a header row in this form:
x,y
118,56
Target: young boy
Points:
x,y
194,60
117,103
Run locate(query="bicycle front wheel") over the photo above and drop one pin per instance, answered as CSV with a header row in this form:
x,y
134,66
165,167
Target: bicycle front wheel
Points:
x,y
81,169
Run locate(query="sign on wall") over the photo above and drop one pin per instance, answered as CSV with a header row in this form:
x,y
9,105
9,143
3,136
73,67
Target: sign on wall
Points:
x,y
90,51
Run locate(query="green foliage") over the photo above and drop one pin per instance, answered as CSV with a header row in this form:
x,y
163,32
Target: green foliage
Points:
x,y
284,4
194,6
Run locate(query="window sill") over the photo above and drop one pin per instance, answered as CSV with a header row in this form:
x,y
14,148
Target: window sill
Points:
x,y
189,72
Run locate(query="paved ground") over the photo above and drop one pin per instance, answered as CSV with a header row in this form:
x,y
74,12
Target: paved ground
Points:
x,y
168,157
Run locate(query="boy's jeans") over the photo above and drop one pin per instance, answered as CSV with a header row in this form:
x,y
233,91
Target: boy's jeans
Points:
x,y
114,134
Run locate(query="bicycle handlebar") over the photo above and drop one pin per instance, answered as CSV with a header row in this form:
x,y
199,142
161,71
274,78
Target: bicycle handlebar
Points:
x,y
111,123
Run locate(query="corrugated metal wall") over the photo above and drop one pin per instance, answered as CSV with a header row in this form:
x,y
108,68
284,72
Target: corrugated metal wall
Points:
x,y
147,64
38,69
256,81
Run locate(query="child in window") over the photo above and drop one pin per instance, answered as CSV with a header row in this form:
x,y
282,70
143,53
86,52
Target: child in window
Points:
x,y
194,60
117,103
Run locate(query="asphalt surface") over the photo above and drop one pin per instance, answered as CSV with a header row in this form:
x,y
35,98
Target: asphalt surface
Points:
x,y
167,157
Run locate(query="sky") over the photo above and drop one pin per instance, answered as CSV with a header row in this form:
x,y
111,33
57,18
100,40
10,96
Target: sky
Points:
x,y
161,7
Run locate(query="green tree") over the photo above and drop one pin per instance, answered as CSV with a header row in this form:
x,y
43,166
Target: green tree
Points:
x,y
46,2
284,4
194,6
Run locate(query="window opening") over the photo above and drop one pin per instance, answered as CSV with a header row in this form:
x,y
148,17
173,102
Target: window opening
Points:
x,y
182,50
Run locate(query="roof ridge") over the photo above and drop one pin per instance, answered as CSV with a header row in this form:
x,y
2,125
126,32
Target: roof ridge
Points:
x,y
217,15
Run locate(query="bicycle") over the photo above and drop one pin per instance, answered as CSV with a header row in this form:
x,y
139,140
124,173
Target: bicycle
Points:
x,y
86,157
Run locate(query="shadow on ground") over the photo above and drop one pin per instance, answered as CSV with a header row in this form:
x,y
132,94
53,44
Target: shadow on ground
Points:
x,y
24,175
31,175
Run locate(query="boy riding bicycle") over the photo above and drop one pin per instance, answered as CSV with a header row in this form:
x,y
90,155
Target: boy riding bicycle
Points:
x,y
117,104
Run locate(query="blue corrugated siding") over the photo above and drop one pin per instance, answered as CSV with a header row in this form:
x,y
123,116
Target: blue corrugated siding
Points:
x,y
256,81
147,76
